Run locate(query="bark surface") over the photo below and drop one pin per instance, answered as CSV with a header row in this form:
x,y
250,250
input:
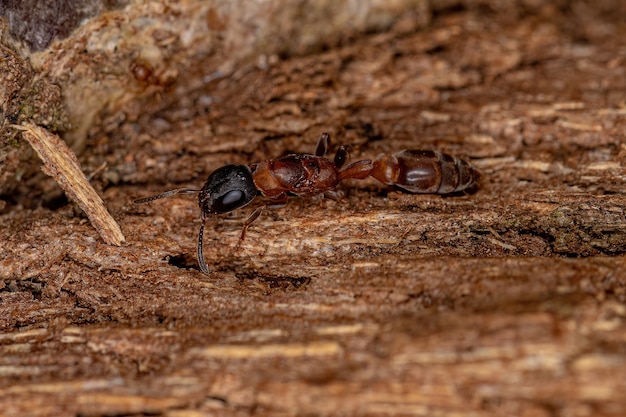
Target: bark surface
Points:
x,y
506,301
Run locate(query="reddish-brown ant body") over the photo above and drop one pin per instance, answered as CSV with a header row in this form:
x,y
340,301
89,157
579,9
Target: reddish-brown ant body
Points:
x,y
234,186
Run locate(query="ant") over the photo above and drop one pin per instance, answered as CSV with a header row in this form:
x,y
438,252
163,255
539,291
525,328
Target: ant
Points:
x,y
234,186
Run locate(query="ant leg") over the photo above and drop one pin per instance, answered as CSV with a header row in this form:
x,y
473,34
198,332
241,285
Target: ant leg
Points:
x,y
166,194
203,266
322,144
357,170
277,202
252,217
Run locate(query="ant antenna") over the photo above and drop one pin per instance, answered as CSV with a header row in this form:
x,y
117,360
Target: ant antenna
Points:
x,y
166,194
203,266
201,262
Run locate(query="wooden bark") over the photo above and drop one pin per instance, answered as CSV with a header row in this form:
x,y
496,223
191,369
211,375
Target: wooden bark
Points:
x,y
506,301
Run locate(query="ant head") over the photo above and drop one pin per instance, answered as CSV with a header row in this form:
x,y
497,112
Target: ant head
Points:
x,y
227,188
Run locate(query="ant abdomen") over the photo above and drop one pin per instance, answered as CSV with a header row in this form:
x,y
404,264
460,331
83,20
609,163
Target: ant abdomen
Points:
x,y
429,172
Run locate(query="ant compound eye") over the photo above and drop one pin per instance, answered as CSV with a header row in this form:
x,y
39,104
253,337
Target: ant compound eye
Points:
x,y
230,201
227,188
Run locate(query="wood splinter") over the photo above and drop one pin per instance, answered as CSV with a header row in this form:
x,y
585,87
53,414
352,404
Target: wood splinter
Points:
x,y
61,164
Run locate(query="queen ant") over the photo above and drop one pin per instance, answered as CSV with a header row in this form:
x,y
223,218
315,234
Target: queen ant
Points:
x,y
234,186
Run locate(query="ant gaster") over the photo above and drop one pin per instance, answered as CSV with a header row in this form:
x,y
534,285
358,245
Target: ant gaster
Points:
x,y
234,186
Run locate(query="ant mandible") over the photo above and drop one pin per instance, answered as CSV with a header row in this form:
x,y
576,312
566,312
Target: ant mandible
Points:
x,y
234,186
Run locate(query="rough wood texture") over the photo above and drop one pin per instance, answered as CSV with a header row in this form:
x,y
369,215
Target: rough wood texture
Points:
x,y
509,301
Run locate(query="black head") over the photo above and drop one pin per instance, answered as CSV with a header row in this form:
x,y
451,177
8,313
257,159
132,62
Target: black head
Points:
x,y
227,188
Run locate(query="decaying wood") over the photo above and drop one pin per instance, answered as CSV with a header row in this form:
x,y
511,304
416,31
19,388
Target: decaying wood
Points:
x,y
61,163
510,301
140,58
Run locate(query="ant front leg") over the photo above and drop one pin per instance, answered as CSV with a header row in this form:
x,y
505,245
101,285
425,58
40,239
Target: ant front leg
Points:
x,y
277,202
252,217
